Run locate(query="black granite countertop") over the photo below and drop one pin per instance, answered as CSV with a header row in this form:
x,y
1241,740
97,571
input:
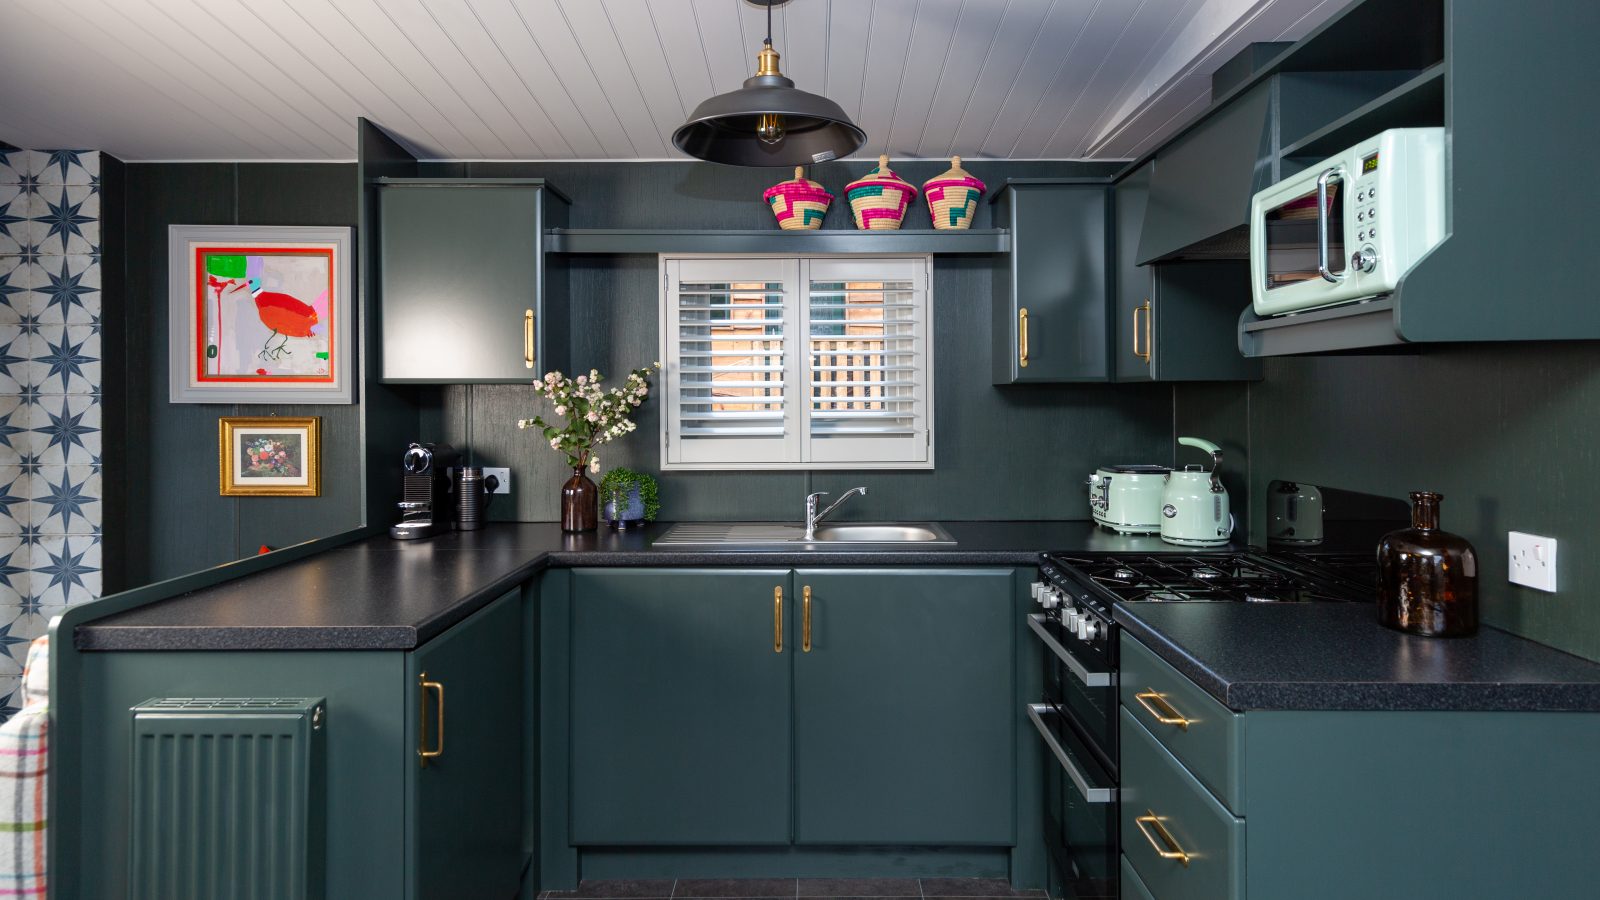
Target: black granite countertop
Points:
x,y
382,594
1335,656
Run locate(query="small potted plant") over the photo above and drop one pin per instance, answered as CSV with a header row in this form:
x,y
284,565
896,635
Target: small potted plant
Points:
x,y
631,498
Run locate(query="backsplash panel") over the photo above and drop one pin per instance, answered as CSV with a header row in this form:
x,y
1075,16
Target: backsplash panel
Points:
x,y
1507,432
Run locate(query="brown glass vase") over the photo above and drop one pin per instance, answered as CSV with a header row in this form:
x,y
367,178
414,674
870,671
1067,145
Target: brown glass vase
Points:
x,y
580,502
1427,578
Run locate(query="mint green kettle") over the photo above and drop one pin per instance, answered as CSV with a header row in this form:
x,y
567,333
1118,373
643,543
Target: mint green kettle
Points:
x,y
1194,504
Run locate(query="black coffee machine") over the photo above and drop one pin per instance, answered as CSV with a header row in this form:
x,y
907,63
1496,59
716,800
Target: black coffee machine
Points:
x,y
428,504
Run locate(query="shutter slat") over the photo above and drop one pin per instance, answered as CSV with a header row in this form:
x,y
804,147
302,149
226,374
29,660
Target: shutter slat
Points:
x,y
864,352
730,359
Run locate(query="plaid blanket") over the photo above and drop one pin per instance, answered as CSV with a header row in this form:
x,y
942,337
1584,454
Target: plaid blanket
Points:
x,y
23,741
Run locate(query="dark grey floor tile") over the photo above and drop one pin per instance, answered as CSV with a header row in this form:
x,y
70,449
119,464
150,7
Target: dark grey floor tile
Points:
x,y
630,889
859,887
972,888
735,887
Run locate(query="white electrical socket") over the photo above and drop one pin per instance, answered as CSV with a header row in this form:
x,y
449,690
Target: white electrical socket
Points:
x,y
504,476
1533,561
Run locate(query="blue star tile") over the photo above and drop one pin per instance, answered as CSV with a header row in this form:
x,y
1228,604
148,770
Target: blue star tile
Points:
x,y
67,569
65,290
10,495
28,393
64,359
31,534
29,462
10,362
11,282
66,430
11,705
66,500
28,323
11,566
13,423
64,159
65,219
29,183
29,253
30,606
10,218
9,641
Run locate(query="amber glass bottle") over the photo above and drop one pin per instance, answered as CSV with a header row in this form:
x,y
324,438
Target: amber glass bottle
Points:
x,y
1427,578
580,502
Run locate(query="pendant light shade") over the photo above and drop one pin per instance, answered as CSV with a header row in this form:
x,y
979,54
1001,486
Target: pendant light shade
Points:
x,y
768,122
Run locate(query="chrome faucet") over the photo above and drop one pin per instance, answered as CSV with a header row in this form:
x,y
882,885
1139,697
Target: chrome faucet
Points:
x,y
813,517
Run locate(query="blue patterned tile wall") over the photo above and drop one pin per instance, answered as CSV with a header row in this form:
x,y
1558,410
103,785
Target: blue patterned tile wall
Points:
x,y
50,380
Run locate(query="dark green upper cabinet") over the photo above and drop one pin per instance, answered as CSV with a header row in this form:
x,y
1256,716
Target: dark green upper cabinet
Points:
x,y
1051,292
680,707
904,707
466,292
1174,321
1204,179
464,827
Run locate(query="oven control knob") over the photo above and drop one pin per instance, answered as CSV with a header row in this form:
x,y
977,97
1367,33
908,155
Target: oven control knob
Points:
x,y
1050,598
1365,259
1036,589
1088,628
1069,615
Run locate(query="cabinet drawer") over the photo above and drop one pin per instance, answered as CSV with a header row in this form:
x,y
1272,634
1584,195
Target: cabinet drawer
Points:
x,y
1130,887
1207,736
1182,842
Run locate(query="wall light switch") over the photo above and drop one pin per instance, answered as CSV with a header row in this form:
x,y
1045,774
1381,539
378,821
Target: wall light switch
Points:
x,y
504,475
1533,561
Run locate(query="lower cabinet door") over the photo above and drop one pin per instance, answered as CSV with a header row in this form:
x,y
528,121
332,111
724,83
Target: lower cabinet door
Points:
x,y
680,706
1184,844
464,829
904,707
1131,888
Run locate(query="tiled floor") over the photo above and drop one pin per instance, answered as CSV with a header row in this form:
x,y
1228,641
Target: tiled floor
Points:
x,y
831,888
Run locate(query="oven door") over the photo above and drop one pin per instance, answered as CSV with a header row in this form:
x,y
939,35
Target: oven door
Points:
x,y
1083,686
1080,822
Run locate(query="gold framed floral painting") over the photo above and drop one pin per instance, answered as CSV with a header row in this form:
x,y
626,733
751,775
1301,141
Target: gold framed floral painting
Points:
x,y
275,456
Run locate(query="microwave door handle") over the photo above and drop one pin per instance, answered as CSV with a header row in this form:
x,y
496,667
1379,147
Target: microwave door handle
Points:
x,y
1322,227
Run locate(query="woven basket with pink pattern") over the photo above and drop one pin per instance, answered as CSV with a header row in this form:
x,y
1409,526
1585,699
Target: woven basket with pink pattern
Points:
x,y
800,205
880,198
953,197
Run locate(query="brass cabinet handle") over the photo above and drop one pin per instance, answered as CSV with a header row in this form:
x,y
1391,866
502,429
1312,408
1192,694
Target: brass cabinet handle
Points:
x,y
1166,715
1022,337
423,753
527,338
805,619
777,619
1171,849
1145,308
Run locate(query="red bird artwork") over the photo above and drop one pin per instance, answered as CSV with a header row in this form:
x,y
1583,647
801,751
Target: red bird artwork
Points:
x,y
285,315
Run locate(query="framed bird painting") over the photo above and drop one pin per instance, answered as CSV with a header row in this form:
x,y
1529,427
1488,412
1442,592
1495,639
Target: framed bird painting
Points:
x,y
260,314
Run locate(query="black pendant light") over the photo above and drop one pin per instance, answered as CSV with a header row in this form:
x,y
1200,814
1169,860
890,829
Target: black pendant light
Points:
x,y
768,122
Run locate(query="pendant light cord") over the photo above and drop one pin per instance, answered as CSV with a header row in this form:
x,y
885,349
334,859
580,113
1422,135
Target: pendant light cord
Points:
x,y
769,24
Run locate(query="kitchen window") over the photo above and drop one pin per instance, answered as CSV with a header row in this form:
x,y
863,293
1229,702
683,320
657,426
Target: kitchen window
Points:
x,y
796,362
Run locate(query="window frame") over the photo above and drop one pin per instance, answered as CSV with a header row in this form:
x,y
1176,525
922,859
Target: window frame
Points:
x,y
796,448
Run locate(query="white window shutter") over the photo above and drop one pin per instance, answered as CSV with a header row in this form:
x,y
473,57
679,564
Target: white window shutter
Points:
x,y
797,363
729,358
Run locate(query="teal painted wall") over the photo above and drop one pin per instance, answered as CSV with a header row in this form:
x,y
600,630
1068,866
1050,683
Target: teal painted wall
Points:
x,y
170,518
1507,432
1019,452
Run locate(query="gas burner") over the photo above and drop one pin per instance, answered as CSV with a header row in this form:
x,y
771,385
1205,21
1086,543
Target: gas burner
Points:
x,y
1205,573
1201,577
1125,574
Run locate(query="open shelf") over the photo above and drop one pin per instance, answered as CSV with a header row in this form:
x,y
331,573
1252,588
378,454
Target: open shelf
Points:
x,y
1369,324
833,240
1415,103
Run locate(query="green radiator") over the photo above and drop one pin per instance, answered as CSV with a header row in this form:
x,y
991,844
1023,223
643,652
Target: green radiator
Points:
x,y
227,799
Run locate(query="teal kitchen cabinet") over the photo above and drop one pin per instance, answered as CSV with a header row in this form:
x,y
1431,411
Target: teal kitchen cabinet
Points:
x,y
904,725
1174,321
466,292
464,829
391,828
1332,804
1051,298
818,707
680,706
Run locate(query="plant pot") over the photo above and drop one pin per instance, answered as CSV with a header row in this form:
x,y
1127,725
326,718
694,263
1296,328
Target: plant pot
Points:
x,y
629,513
580,503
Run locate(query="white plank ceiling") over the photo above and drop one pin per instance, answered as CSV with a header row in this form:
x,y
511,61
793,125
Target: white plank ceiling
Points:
x,y
610,79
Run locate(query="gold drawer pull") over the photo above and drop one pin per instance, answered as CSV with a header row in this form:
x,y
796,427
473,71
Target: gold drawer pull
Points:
x,y
1166,715
805,619
527,338
777,619
423,753
1171,849
1022,337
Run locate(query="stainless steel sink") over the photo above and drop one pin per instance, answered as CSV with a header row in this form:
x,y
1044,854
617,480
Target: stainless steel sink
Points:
x,y
769,536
